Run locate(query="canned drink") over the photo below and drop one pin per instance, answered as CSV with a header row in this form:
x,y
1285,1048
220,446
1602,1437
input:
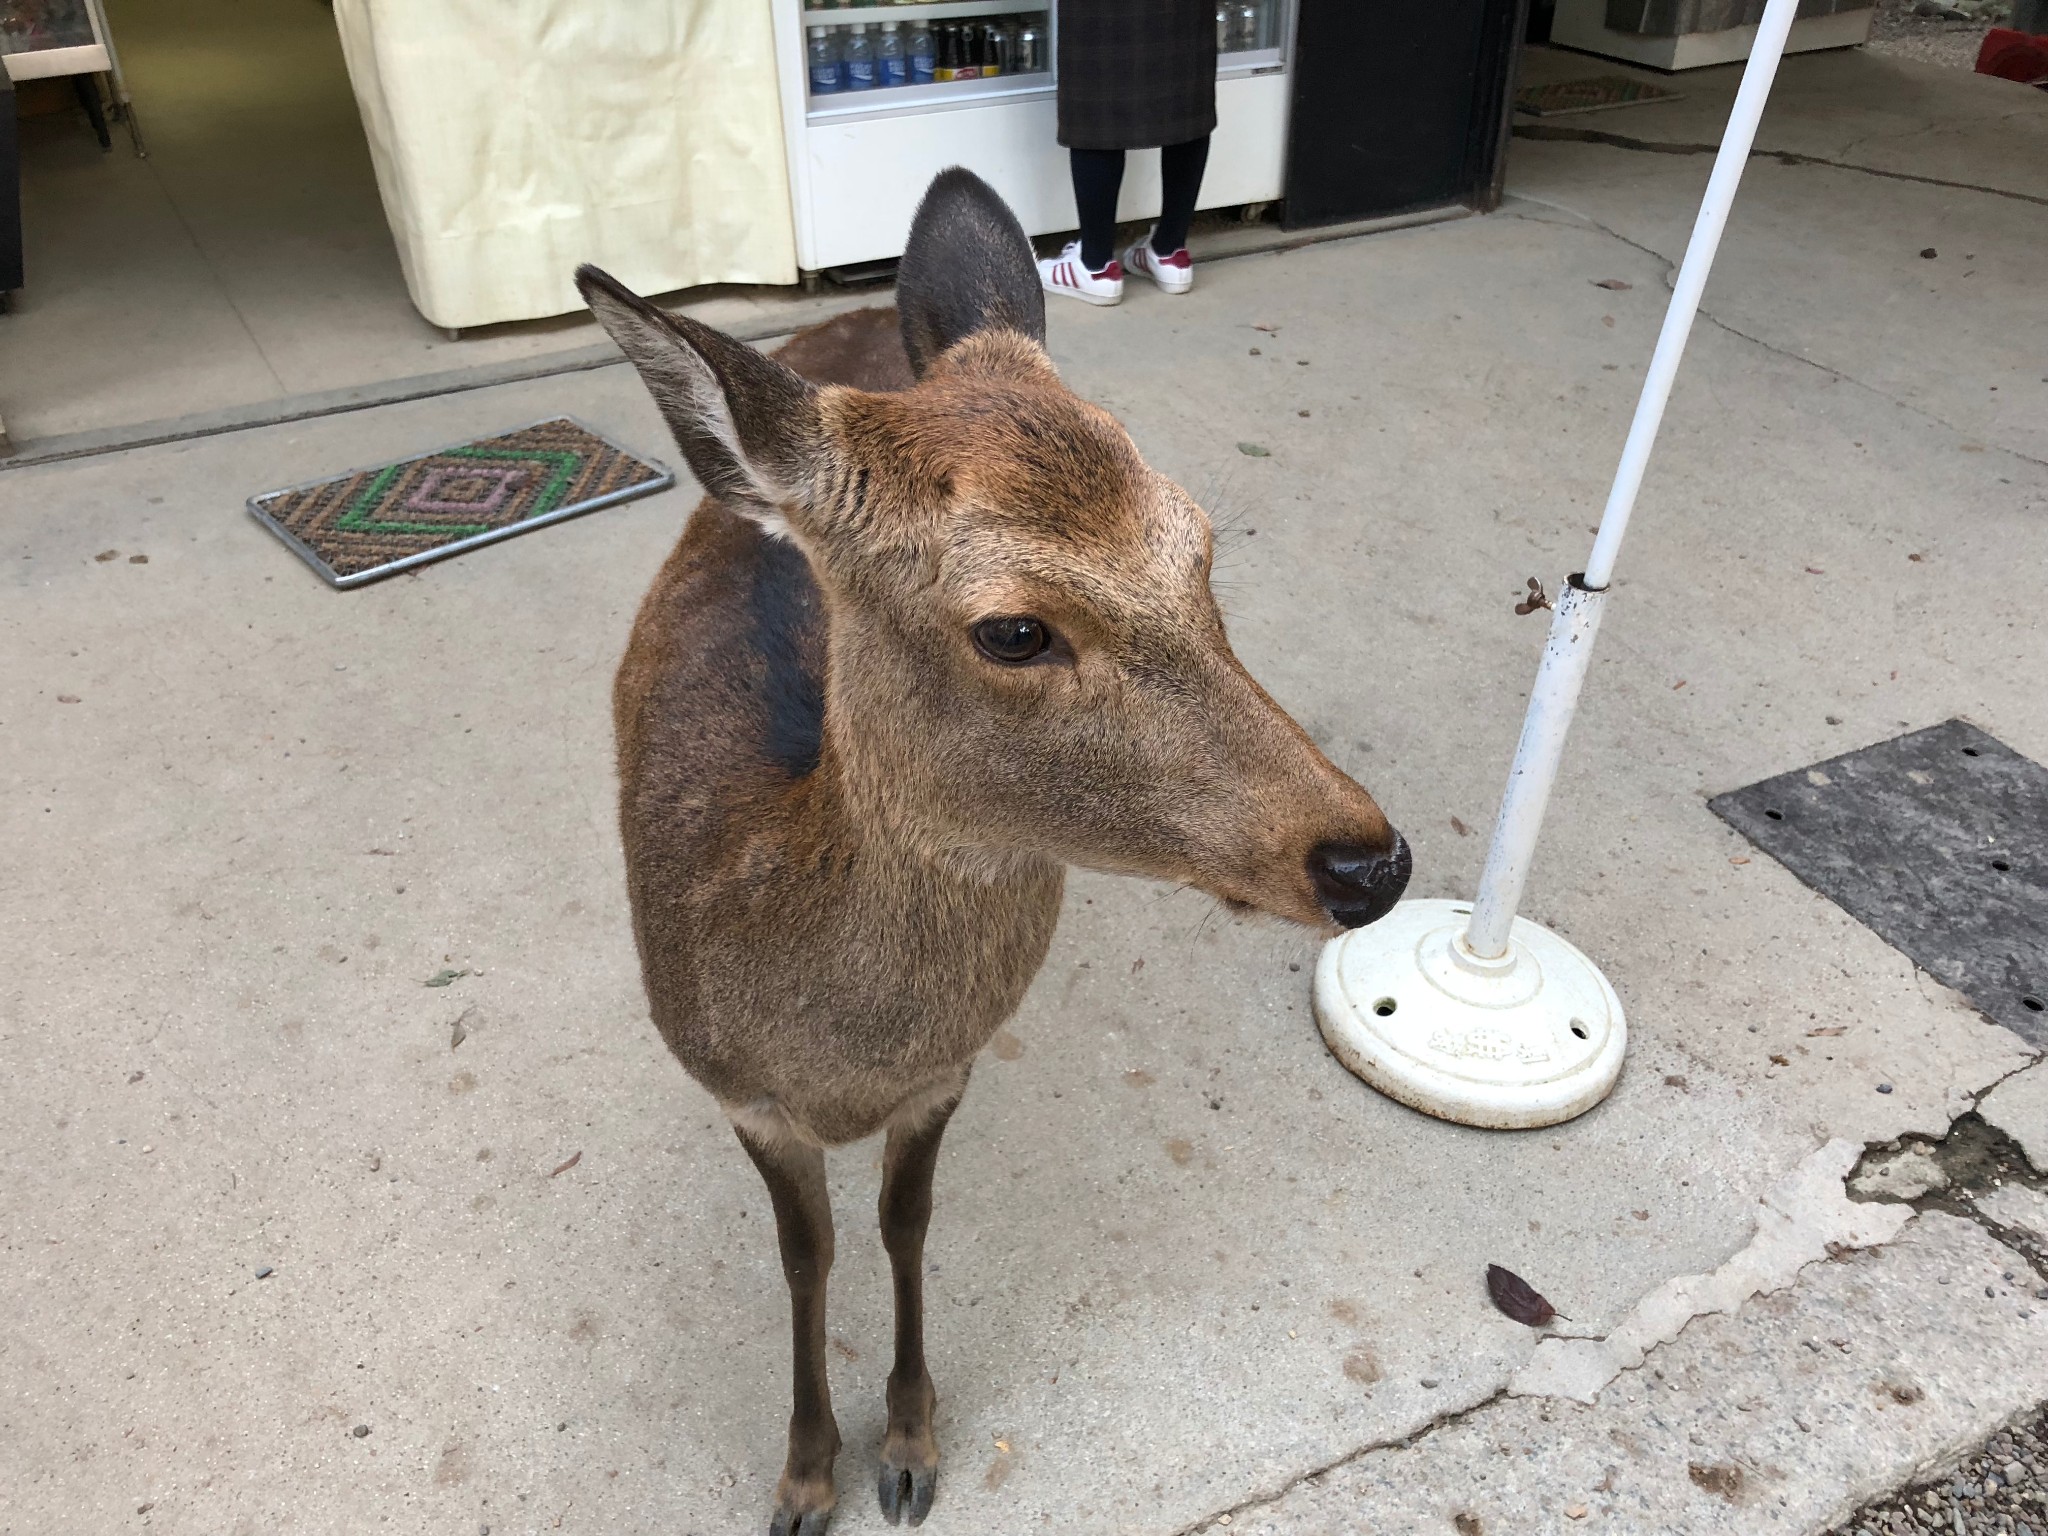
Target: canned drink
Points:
x,y
1030,48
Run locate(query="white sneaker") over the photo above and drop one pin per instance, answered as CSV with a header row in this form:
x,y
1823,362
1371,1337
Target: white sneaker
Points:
x,y
1065,275
1174,274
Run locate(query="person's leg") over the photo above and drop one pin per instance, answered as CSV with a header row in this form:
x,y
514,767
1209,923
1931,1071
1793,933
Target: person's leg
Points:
x,y
1180,179
1098,176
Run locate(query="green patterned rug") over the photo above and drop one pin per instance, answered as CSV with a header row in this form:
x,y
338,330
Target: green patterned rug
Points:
x,y
371,523
1594,94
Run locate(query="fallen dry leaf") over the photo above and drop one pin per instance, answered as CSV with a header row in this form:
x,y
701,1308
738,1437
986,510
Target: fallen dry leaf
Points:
x,y
67,698
1614,283
1780,1061
1608,321
1827,1029
106,554
574,1158
1575,1511
1516,1298
1738,861
1814,570
1460,828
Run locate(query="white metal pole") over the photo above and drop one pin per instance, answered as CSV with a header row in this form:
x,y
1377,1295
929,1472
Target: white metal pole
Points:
x,y
1570,646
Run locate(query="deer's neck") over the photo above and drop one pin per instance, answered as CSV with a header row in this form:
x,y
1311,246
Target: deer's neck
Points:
x,y
866,798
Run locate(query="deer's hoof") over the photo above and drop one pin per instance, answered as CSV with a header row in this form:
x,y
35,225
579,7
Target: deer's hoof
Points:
x,y
797,1515
907,1492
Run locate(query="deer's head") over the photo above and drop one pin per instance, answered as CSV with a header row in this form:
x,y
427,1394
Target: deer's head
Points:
x,y
1025,656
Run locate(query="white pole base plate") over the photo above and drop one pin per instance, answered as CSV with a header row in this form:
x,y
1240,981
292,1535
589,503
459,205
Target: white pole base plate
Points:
x,y
1532,1039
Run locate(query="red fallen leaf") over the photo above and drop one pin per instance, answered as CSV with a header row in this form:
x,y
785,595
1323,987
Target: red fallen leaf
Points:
x,y
1814,570
1614,283
574,1158
1515,1297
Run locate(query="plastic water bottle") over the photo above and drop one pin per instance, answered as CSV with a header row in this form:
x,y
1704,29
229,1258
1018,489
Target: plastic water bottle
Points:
x,y
826,77
924,57
859,55
892,65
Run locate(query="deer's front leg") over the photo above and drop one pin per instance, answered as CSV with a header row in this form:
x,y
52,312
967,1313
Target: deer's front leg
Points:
x,y
910,1454
795,1175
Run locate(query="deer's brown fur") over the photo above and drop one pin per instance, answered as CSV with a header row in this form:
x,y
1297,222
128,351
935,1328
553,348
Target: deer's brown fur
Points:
x,y
846,824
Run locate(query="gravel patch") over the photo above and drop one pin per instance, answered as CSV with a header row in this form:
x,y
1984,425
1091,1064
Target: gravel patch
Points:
x,y
1895,29
2002,1490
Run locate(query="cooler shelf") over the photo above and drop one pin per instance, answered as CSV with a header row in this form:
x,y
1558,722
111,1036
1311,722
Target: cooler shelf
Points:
x,y
839,105
942,10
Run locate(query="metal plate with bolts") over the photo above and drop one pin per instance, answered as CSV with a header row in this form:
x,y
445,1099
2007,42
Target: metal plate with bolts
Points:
x,y
1938,841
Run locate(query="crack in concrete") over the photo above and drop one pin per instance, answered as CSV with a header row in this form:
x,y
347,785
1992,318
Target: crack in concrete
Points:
x,y
1975,1159
1413,1438
1587,221
1555,134
1804,1218
1979,1095
1975,1148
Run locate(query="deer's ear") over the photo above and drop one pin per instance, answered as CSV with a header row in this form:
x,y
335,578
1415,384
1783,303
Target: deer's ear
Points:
x,y
748,425
967,268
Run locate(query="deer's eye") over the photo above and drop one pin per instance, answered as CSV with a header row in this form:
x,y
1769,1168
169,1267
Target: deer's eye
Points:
x,y
1011,640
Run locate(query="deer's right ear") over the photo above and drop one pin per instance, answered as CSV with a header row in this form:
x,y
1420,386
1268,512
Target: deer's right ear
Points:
x,y
748,425
967,268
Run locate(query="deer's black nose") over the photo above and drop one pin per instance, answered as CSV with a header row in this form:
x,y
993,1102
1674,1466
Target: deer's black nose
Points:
x,y
1357,885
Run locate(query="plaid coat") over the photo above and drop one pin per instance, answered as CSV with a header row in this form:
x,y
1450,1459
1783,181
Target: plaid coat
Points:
x,y
1136,73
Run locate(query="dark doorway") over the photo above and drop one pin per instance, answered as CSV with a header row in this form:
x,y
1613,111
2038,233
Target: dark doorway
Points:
x,y
1399,107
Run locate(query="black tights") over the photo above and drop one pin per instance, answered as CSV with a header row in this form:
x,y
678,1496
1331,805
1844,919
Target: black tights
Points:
x,y
1099,173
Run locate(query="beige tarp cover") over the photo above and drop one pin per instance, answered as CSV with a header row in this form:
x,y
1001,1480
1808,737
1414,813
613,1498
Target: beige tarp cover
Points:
x,y
516,138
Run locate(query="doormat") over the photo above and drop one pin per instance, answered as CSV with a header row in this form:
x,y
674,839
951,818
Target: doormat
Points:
x,y
1596,93
1937,841
372,523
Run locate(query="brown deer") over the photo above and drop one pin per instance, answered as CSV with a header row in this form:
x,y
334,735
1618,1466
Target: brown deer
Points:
x,y
936,632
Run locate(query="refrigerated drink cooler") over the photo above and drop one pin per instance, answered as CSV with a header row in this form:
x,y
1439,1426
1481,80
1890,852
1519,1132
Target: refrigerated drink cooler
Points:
x,y
879,98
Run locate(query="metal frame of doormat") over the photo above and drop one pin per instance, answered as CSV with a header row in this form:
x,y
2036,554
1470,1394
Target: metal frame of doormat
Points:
x,y
327,572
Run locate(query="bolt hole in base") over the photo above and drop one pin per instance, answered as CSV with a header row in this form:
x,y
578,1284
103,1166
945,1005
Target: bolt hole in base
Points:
x,y
1970,752
1775,815
2001,865
1385,1007
1579,1029
2033,1004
